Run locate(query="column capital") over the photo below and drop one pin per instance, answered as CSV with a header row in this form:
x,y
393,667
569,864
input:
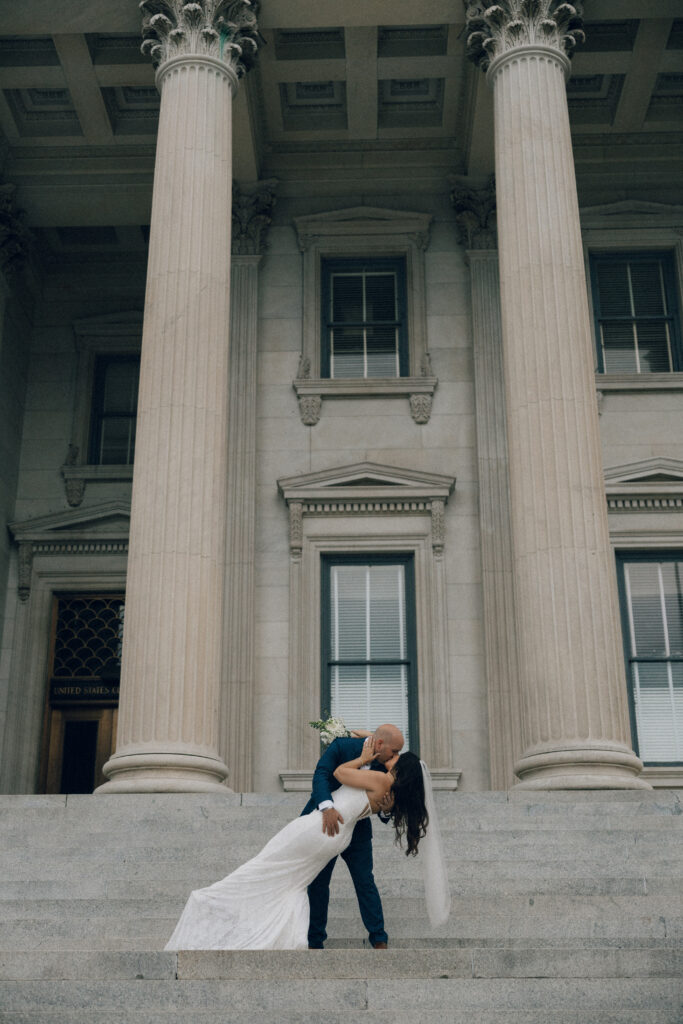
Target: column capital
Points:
x,y
496,29
221,30
475,213
252,212
14,235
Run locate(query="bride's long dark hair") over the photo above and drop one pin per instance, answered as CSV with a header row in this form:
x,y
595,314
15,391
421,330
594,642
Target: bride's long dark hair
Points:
x,y
409,813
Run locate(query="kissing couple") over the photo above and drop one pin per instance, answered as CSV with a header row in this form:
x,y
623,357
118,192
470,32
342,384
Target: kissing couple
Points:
x,y
279,898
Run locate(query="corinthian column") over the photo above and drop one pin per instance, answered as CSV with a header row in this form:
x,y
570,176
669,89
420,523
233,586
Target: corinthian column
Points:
x,y
170,680
574,715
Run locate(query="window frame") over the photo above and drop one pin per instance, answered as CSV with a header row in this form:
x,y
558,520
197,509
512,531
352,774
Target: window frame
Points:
x,y
624,556
97,415
358,265
633,255
405,559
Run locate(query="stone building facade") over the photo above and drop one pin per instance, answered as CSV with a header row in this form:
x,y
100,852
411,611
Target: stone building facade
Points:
x,y
386,304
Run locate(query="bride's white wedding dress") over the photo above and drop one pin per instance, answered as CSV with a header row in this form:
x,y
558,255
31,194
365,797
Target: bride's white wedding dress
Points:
x,y
264,903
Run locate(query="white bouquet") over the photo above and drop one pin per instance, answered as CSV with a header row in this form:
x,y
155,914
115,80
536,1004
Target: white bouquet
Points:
x,y
330,729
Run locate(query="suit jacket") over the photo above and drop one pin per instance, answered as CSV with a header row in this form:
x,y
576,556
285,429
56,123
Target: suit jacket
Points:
x,y
324,783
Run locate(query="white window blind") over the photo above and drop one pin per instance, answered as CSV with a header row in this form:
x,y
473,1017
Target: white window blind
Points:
x,y
654,596
368,649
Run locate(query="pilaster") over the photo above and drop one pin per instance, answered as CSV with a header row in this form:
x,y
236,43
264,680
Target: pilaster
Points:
x,y
251,214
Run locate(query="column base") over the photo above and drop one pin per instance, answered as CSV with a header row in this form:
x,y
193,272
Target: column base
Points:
x,y
159,772
581,767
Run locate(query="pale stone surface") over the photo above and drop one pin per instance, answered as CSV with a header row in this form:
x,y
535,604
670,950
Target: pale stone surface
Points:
x,y
575,723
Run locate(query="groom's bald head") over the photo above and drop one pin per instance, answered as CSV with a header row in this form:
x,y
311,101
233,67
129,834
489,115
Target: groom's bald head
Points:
x,y
388,742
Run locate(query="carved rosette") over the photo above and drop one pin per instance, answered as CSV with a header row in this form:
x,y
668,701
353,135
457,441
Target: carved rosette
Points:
x,y
252,213
310,407
14,235
25,570
494,29
421,407
475,215
225,30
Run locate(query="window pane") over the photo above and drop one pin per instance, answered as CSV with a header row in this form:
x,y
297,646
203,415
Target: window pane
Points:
x,y
348,357
619,348
349,619
672,577
347,298
613,287
117,441
349,701
121,387
389,698
387,612
646,283
653,347
659,710
648,638
382,345
380,297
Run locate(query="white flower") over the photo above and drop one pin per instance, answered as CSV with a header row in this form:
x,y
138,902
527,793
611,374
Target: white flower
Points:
x,y
330,729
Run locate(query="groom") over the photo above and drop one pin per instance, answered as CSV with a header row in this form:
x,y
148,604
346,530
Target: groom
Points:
x,y
388,741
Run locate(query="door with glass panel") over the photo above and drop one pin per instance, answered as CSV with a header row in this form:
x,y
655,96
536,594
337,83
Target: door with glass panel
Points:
x,y
368,642
82,691
652,613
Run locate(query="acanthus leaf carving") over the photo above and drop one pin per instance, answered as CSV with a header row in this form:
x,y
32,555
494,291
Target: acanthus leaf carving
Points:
x,y
475,214
226,30
496,29
310,408
252,212
14,235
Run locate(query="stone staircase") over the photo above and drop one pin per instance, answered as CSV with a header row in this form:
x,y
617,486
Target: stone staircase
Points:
x,y
567,909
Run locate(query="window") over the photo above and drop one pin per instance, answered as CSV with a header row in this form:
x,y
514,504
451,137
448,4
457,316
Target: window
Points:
x,y
652,605
636,313
114,410
364,318
368,642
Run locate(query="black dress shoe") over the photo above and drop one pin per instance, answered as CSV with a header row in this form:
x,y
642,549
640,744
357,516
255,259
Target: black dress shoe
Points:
x,y
320,946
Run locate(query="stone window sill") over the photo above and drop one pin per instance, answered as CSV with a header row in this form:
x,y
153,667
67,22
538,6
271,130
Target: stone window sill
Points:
x,y
639,381
76,477
311,391
664,776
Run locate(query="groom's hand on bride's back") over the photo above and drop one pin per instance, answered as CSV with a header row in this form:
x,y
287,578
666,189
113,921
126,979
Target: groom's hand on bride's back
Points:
x,y
332,819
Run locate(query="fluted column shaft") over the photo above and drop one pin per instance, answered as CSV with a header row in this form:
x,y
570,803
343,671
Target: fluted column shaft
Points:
x,y
172,650
574,715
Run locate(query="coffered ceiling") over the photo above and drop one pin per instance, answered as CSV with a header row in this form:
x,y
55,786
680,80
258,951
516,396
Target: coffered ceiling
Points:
x,y
364,97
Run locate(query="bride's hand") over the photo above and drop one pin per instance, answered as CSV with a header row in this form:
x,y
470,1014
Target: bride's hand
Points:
x,y
368,751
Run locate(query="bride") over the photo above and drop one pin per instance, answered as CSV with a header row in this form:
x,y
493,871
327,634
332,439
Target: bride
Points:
x,y
264,903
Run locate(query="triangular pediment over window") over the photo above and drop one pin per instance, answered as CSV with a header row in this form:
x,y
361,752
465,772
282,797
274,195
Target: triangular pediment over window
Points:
x,y
631,213
648,486
655,470
107,521
366,480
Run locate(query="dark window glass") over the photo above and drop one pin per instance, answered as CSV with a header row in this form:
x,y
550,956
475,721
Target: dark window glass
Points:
x,y
637,325
114,410
364,319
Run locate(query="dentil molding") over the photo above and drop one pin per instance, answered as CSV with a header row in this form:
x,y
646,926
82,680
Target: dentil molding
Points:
x,y
496,29
225,30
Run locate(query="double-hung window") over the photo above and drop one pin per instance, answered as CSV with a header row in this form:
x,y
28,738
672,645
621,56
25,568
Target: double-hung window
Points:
x,y
364,318
368,642
114,410
652,607
636,312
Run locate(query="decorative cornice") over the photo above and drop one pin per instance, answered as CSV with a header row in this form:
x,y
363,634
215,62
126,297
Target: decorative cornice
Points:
x,y
252,211
14,235
366,222
475,213
223,30
311,390
495,29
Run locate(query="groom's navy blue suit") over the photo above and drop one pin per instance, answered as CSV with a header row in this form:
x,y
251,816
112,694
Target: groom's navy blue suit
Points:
x,y
358,854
